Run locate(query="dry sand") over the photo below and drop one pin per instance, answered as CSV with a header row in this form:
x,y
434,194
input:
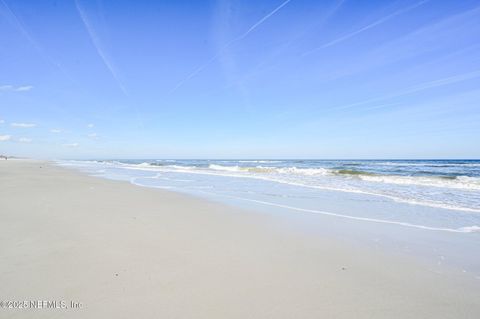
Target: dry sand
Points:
x,y
129,252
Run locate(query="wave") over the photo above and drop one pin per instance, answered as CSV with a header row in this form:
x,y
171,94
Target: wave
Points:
x,y
457,182
269,169
440,181
352,172
428,164
258,161
443,181
455,195
464,229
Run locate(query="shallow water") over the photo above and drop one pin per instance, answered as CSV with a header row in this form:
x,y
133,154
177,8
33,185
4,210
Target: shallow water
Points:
x,y
429,209
451,184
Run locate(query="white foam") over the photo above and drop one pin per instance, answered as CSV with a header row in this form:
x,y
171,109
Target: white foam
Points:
x,y
462,182
258,161
470,229
465,229
429,164
224,168
270,169
319,178
304,171
411,201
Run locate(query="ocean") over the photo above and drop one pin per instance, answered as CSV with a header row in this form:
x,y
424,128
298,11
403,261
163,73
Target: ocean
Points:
x,y
448,184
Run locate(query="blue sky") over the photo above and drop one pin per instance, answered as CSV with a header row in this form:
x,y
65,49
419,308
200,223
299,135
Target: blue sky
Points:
x,y
240,79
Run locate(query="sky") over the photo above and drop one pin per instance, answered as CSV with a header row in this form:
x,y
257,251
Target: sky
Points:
x,y
240,79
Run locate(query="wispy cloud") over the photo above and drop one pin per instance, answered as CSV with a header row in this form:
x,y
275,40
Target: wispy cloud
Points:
x,y
24,88
12,88
98,46
6,87
412,45
91,125
367,27
55,131
93,135
5,138
12,18
72,145
10,15
418,88
23,125
2,121
229,44
272,60
25,140
262,20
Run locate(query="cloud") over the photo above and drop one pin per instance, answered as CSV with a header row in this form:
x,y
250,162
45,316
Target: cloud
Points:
x,y
71,145
262,20
226,46
98,46
24,88
12,88
2,121
5,138
24,140
367,27
55,131
23,125
90,125
418,88
12,18
93,135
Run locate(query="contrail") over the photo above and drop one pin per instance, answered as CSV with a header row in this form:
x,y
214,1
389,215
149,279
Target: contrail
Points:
x,y
272,57
262,20
10,15
418,88
367,27
20,26
97,44
230,43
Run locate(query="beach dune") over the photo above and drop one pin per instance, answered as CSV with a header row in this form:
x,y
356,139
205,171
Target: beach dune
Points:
x,y
121,251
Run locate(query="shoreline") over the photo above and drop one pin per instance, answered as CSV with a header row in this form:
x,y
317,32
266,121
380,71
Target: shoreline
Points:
x,y
433,235
124,250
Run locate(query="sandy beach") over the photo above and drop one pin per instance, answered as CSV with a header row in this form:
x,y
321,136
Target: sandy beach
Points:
x,y
122,251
